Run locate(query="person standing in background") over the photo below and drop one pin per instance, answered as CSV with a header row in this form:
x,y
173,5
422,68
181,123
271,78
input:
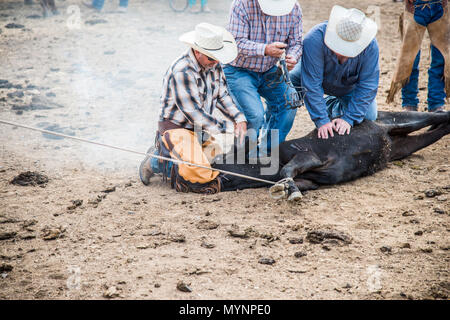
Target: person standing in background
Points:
x,y
264,30
98,5
421,15
203,6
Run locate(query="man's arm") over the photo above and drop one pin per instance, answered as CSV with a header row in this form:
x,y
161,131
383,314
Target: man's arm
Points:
x,y
295,39
187,99
312,78
366,89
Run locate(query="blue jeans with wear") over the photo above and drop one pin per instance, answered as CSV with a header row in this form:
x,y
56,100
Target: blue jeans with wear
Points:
x,y
424,14
193,2
247,87
98,4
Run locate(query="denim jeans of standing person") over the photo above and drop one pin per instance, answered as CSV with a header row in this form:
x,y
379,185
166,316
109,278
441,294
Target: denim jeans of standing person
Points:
x,y
247,87
98,4
424,14
193,2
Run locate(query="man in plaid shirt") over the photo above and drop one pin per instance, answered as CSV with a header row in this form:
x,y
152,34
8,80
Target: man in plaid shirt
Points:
x,y
264,30
194,85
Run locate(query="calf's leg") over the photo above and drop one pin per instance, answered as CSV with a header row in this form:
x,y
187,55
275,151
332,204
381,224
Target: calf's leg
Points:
x,y
300,163
403,146
402,123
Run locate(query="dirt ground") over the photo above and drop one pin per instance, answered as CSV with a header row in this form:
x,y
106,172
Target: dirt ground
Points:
x,y
93,231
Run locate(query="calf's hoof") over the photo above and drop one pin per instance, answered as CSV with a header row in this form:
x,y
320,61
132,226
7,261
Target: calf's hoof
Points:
x,y
278,191
295,196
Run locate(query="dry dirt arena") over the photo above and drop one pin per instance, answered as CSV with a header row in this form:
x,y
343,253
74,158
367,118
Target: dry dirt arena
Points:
x,y
93,231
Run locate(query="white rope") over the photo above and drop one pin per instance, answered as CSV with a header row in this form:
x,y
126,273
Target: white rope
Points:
x,y
136,152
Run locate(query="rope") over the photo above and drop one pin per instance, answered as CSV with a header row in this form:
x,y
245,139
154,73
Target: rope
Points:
x,y
135,152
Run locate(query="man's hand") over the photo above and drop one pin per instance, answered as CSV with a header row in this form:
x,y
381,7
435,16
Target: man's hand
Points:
x,y
275,49
290,62
325,130
341,126
240,130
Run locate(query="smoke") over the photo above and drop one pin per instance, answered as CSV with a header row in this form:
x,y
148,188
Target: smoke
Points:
x,y
105,72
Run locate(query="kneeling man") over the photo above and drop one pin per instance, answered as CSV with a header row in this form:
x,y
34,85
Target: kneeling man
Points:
x,y
340,61
194,85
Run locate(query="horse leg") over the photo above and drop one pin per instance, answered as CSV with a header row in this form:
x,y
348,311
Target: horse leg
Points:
x,y
402,123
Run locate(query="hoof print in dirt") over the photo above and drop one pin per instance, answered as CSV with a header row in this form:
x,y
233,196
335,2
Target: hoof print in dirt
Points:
x,y
300,254
7,235
14,26
30,179
329,237
208,245
238,234
75,204
386,249
179,238
50,233
439,211
431,193
111,293
296,240
95,21
109,190
440,291
6,268
268,261
207,225
183,287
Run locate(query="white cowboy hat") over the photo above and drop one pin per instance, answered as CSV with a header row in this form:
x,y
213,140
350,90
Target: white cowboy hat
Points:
x,y
277,7
213,41
349,31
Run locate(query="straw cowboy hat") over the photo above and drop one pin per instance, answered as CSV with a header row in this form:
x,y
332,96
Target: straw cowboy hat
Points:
x,y
349,31
213,41
277,7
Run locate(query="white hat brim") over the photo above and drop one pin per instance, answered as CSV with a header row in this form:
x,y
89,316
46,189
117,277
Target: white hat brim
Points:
x,y
224,55
277,8
348,48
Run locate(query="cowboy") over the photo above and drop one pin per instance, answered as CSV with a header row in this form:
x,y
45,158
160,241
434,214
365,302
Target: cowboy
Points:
x,y
340,60
264,30
194,85
420,15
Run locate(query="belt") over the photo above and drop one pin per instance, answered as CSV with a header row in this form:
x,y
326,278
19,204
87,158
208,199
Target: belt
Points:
x,y
165,125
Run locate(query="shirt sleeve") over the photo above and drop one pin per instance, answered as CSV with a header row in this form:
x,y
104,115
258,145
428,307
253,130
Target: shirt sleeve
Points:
x,y
187,100
226,104
366,89
295,40
312,68
239,27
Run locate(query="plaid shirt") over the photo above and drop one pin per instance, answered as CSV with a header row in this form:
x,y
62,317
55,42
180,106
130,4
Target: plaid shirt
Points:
x,y
191,94
253,29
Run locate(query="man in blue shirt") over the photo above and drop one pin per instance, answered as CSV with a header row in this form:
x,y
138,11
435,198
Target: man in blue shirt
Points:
x,y
340,71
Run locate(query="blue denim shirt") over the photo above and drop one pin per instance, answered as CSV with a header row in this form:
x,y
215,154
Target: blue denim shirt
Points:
x,y
322,74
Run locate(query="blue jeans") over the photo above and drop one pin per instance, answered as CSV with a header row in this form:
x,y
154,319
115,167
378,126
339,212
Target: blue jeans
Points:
x,y
98,4
192,2
336,107
424,15
247,87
